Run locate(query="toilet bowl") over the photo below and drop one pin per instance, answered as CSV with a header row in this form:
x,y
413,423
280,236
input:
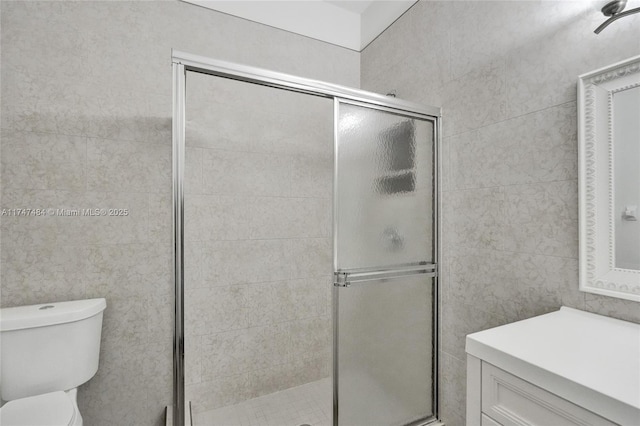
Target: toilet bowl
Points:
x,y
49,409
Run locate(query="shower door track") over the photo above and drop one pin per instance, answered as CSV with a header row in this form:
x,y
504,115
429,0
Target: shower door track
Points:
x,y
183,62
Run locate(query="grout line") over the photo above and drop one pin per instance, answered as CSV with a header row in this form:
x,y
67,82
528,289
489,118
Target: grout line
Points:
x,y
253,197
260,239
574,101
511,251
454,357
510,185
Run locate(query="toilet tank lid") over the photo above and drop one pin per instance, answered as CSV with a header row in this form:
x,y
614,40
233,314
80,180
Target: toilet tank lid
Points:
x,y
44,314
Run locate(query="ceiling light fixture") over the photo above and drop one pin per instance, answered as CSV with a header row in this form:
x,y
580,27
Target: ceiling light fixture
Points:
x,y
614,9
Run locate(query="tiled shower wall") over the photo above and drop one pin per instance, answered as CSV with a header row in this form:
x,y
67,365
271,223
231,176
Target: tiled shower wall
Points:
x,y
86,123
505,74
259,174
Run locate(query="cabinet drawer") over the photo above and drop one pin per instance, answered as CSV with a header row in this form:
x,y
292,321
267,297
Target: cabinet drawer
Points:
x,y
514,402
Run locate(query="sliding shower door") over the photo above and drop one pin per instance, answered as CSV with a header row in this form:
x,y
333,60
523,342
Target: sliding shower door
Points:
x,y
254,153
384,266
257,243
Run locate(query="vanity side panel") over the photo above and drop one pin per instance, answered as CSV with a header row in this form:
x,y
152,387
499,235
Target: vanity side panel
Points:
x,y
474,385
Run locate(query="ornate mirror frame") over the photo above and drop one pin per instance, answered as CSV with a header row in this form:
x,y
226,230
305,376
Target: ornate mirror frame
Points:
x,y
598,271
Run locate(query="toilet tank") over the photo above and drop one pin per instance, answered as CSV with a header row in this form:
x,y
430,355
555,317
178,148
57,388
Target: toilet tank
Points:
x,y
49,347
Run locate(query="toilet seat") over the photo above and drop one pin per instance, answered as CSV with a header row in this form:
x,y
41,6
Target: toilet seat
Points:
x,y
49,409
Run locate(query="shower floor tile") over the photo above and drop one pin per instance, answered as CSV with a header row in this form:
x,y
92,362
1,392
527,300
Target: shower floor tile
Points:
x,y
309,404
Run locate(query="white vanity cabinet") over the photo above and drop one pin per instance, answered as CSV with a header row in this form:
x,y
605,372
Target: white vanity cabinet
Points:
x,y
564,368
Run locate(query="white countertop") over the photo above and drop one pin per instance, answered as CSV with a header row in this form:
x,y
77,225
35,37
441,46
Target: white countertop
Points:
x,y
588,359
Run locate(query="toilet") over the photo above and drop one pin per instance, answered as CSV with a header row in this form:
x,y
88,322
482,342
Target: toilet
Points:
x,y
47,351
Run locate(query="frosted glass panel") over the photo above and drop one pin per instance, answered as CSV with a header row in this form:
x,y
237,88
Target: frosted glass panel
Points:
x,y
385,352
384,214
384,221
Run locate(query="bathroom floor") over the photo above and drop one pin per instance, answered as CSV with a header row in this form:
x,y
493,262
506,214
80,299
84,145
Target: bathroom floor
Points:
x,y
309,404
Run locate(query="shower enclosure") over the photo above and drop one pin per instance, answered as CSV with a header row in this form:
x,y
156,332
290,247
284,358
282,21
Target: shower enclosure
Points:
x,y
306,248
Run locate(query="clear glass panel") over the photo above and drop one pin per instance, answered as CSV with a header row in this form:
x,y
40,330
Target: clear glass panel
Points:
x,y
384,213
257,212
385,352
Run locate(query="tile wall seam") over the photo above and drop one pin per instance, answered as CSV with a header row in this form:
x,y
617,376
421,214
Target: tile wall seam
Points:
x,y
88,191
511,251
503,215
80,135
229,195
259,239
509,118
512,185
454,357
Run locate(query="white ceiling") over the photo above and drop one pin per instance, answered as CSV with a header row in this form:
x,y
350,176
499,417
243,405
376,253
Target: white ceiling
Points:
x,y
354,6
350,24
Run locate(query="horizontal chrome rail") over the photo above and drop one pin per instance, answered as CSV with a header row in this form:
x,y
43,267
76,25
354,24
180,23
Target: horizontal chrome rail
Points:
x,y
290,82
346,278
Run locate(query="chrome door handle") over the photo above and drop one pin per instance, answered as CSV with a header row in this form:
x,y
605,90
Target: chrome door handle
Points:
x,y
345,278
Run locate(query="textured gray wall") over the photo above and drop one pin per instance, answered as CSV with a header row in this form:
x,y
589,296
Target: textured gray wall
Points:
x,y
86,123
505,74
86,120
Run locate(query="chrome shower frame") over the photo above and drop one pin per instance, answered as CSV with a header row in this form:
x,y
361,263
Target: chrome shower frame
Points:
x,y
183,62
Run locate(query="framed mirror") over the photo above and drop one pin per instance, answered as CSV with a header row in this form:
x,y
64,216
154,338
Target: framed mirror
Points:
x,y
609,150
